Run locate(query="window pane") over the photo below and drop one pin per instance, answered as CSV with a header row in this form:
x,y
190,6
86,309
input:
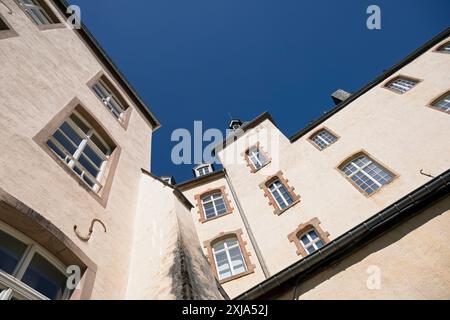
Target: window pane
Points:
x,y
11,251
305,240
444,104
45,278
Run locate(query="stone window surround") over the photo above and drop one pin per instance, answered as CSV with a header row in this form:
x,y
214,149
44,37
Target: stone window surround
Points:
x,y
253,169
110,83
386,83
313,224
367,154
42,136
7,33
441,45
265,187
210,191
238,234
25,220
310,138
53,12
436,100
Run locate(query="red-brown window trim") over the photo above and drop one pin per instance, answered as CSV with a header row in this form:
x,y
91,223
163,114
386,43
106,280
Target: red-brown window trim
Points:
x,y
226,199
313,224
311,137
238,234
265,187
252,167
42,136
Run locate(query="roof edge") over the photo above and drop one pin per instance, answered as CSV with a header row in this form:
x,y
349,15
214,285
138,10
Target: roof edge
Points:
x,y
97,49
412,56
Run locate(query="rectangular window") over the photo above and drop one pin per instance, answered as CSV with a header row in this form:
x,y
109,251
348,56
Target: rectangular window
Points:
x,y
366,174
311,241
401,84
111,98
323,139
443,103
280,194
39,12
82,149
203,171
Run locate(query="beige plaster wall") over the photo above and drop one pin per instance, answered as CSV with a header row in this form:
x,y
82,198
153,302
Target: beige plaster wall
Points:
x,y
412,262
231,222
166,258
41,71
399,131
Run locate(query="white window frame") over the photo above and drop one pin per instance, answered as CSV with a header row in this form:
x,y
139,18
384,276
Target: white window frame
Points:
x,y
360,169
227,249
277,190
72,161
109,99
36,12
255,155
401,84
325,142
312,242
210,199
203,170
16,288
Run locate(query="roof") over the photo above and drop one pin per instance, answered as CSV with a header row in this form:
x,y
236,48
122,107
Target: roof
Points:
x,y
427,46
201,180
111,67
356,238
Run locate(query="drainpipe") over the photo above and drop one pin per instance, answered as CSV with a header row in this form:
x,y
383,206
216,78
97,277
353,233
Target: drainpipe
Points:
x,y
259,256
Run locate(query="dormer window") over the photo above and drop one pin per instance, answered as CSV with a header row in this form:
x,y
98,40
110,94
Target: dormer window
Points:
x,y
39,12
169,180
202,170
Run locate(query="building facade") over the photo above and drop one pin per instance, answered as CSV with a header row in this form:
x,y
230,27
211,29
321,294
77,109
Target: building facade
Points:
x,y
78,199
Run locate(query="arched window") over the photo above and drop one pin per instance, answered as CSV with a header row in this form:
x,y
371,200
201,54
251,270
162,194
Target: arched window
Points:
x,y
442,103
309,237
228,258
323,139
27,271
401,84
279,193
366,174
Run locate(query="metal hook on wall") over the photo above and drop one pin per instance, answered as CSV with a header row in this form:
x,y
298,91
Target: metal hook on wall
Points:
x,y
425,174
91,229
6,6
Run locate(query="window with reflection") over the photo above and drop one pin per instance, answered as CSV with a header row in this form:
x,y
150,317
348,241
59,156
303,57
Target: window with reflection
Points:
x,y
228,258
27,271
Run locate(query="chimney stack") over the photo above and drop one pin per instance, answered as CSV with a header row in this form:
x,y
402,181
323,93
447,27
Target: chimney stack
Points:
x,y
340,95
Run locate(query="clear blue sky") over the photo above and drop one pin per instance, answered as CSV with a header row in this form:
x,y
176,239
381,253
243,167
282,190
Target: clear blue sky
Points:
x,y
203,59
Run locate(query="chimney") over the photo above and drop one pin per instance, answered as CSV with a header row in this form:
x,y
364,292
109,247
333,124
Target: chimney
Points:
x,y
340,95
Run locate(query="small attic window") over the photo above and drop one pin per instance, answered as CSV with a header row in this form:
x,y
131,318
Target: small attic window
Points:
x,y
203,170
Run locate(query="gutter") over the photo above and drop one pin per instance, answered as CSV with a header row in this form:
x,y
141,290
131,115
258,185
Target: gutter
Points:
x,y
358,237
